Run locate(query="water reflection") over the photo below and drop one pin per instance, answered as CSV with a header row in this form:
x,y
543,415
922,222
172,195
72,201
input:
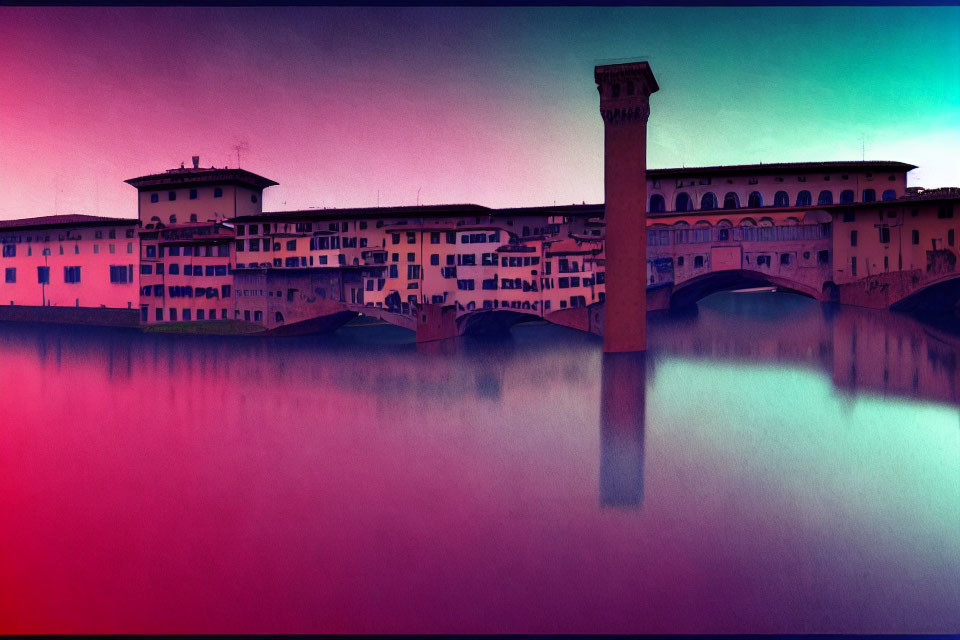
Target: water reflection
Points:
x,y
622,416
361,482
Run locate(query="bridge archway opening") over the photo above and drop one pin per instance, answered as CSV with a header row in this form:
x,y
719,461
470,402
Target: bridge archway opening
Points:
x,y
495,321
689,292
938,300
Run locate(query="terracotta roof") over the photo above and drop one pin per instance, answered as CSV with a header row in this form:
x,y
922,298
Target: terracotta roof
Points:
x,y
199,177
66,220
368,212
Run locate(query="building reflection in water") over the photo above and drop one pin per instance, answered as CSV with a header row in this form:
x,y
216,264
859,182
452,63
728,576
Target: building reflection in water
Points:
x,y
623,390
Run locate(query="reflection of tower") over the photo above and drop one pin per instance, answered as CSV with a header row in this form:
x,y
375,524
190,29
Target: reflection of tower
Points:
x,y
625,106
623,391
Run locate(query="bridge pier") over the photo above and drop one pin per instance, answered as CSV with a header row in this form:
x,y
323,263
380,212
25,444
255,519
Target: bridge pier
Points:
x,y
436,322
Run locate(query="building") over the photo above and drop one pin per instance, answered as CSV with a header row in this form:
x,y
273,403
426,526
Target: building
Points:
x,y
204,250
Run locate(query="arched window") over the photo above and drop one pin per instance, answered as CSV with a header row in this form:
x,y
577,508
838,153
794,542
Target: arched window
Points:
x,y
217,192
766,222
748,222
755,201
731,201
846,196
681,224
708,201
657,205
825,197
869,195
154,197
683,202
173,219
193,217
781,199
804,199
888,195
279,317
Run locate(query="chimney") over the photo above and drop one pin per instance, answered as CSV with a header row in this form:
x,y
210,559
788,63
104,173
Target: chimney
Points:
x,y
196,162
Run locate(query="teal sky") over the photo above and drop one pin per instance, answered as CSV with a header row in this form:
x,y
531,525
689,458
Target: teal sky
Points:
x,y
742,85
495,106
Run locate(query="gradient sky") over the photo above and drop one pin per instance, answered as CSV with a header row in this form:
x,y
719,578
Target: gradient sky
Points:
x,y
495,106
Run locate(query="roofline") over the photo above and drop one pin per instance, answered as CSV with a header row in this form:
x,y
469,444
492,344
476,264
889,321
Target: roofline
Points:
x,y
30,223
199,177
781,167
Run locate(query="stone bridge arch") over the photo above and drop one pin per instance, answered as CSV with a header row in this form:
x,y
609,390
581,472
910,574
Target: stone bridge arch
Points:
x,y
690,291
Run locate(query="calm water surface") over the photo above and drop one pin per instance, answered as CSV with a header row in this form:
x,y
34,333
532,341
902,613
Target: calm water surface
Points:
x,y
771,465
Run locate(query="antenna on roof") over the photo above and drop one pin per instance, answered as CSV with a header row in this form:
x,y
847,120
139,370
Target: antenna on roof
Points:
x,y
240,146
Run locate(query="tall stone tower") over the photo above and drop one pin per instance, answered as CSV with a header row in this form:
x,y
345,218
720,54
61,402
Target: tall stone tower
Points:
x,y
625,106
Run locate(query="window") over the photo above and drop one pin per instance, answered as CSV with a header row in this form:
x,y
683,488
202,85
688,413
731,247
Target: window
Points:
x,y
853,266
217,192
825,197
915,236
698,262
657,204
186,315
708,201
804,199
869,195
846,196
43,275
173,315
10,275
291,245
435,259
853,238
171,195
154,197
145,269
411,257
159,268
120,274
945,211
784,258
781,199
173,219
884,235
465,285
411,237
889,195
253,198
849,215
193,194
731,201
258,316
9,251
683,202
225,291
755,200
